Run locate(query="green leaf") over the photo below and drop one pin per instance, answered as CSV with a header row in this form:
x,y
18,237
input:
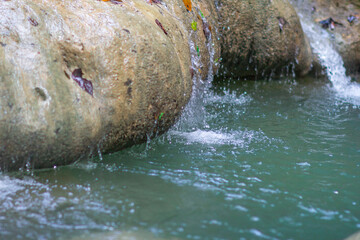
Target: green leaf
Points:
x,y
160,116
202,15
194,25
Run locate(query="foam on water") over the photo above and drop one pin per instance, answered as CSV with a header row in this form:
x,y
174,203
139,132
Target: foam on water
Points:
x,y
206,137
20,194
229,97
10,185
209,137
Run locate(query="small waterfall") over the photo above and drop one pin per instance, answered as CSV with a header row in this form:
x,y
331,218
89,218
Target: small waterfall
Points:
x,y
193,116
330,59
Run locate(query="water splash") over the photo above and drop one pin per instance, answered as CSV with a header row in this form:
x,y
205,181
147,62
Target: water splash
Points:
x,y
99,152
193,117
240,139
330,59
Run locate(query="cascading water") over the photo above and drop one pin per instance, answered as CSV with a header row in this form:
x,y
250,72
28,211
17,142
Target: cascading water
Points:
x,y
193,116
330,59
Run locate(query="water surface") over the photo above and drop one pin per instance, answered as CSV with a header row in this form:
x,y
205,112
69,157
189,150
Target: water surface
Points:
x,y
261,160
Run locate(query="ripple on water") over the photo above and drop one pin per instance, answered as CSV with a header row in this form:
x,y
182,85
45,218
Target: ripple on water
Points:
x,y
269,165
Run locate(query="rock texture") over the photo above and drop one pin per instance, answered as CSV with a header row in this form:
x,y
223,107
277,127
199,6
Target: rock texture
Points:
x,y
346,35
78,76
262,37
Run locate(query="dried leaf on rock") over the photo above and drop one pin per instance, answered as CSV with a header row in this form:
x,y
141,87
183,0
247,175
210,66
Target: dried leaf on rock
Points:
x,y
187,4
154,1
192,72
161,26
113,1
329,23
33,22
82,82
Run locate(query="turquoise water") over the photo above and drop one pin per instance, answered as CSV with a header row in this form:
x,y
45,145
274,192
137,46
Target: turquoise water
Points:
x,y
260,160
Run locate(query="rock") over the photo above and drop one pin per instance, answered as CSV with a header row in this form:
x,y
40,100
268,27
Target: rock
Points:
x,y
83,75
346,35
355,236
261,38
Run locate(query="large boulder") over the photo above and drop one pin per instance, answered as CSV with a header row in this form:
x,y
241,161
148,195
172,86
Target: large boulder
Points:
x,y
82,76
262,38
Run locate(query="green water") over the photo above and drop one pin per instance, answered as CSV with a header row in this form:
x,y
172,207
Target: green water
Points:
x,y
263,160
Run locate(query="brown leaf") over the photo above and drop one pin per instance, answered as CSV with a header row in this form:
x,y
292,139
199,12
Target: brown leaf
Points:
x,y
161,26
112,1
82,82
187,4
33,22
154,1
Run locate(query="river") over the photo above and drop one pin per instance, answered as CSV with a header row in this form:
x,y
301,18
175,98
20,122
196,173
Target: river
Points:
x,y
271,159
268,159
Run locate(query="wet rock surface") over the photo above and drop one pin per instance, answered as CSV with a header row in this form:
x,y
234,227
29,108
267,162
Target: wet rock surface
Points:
x,y
82,76
262,38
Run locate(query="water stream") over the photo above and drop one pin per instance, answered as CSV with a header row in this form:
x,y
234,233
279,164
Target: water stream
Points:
x,y
330,59
273,159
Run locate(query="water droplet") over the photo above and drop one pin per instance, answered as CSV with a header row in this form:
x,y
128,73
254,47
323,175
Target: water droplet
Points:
x,y
99,153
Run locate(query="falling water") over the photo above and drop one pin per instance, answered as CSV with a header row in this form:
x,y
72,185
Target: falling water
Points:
x,y
330,59
193,116
99,152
